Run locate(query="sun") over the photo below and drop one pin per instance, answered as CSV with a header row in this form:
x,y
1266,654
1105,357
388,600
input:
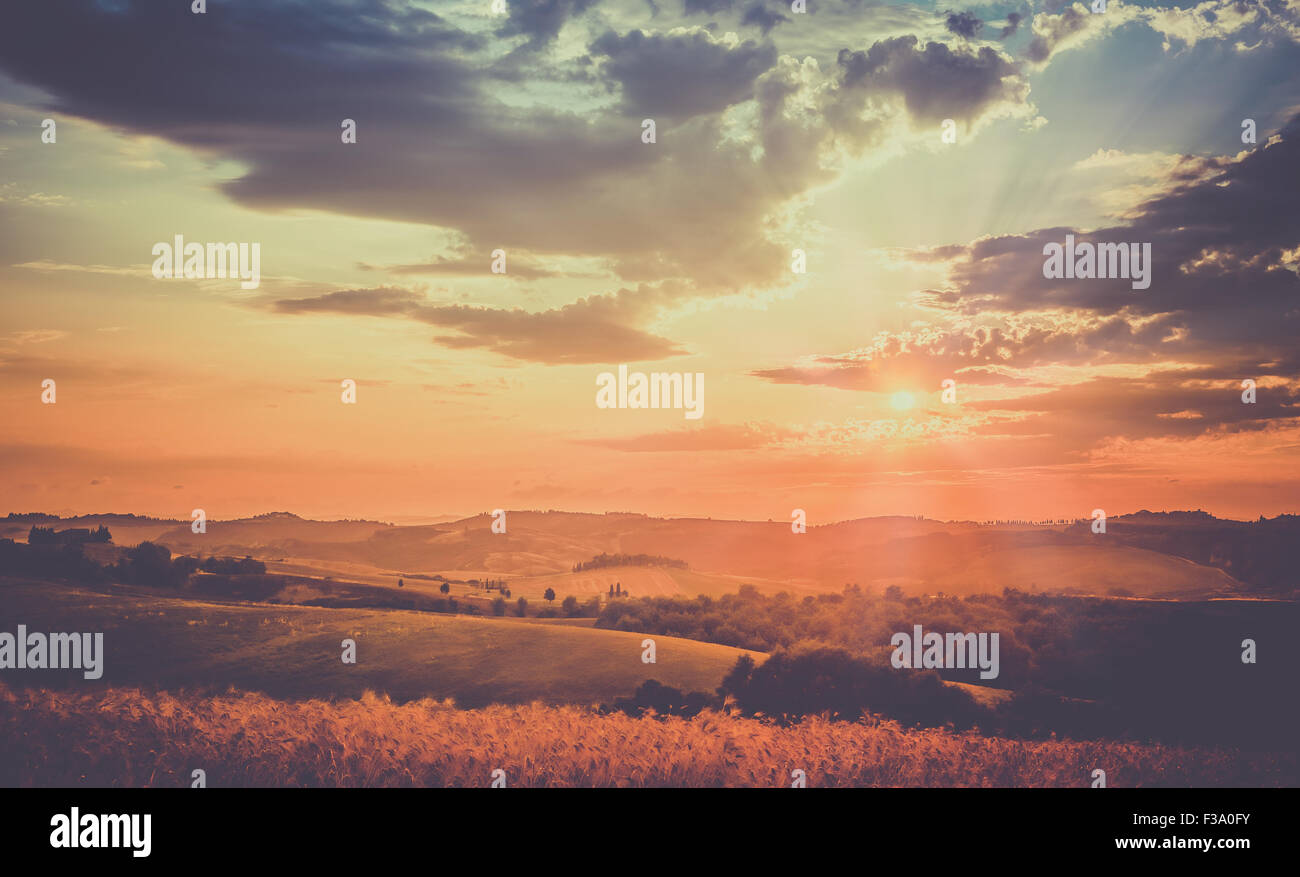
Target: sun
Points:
x,y
902,401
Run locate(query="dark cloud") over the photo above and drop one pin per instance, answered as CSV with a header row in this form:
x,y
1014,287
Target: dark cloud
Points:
x,y
964,24
764,19
1050,30
1159,405
540,20
1221,285
434,145
590,330
265,86
936,82
1013,24
681,75
144,66
380,302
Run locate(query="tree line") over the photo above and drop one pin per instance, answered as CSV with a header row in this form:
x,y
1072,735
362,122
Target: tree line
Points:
x,y
603,560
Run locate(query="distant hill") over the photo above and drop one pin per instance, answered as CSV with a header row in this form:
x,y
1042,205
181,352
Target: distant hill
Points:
x,y
1179,554
1260,553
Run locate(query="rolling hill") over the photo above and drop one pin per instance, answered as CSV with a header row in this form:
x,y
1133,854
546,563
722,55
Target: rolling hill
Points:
x,y
1184,554
293,652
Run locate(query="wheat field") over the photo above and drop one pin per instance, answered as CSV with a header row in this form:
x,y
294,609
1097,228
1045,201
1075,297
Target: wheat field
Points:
x,y
128,737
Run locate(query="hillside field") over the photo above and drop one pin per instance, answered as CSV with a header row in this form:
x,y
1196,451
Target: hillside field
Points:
x,y
294,652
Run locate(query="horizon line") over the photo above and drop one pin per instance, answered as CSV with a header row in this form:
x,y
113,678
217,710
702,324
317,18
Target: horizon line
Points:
x,y
416,520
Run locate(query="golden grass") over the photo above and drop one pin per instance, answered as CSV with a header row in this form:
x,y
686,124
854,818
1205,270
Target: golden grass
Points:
x,y
126,737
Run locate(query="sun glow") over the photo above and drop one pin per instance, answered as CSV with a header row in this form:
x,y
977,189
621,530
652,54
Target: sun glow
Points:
x,y
902,401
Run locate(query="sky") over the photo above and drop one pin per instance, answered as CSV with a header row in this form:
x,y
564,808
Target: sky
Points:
x,y
920,158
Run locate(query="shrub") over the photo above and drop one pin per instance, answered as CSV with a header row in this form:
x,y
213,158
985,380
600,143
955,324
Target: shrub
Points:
x,y
233,566
663,700
151,565
808,681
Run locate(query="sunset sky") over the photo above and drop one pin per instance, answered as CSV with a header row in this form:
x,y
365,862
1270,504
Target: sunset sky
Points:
x,y
774,131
